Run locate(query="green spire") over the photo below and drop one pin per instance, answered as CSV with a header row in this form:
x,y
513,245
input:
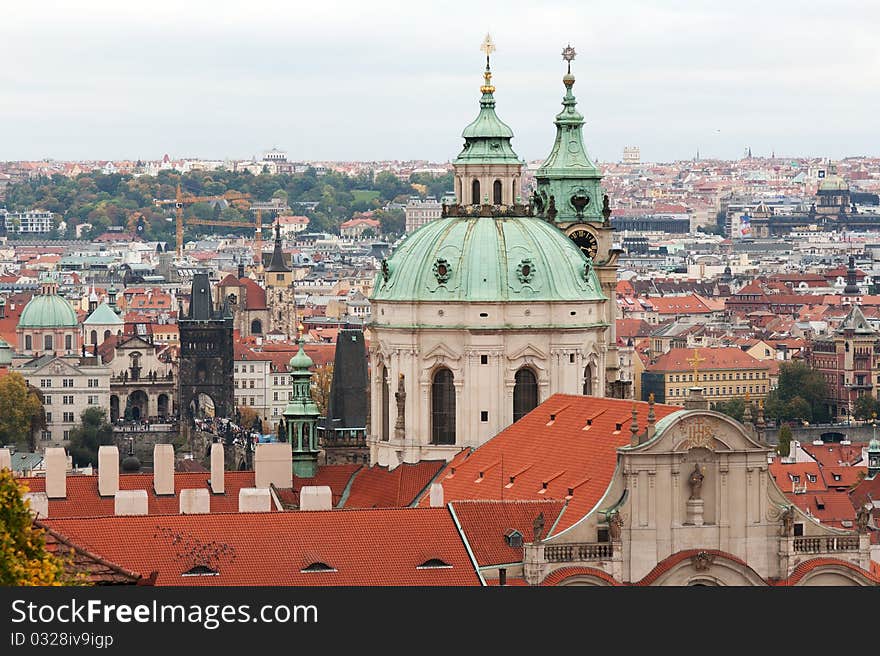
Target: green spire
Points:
x,y
487,137
301,417
568,174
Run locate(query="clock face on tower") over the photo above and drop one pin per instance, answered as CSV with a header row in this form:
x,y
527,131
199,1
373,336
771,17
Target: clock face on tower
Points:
x,y
586,241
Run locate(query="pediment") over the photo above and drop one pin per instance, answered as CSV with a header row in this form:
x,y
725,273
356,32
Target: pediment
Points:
x,y
529,351
700,429
442,352
57,367
133,342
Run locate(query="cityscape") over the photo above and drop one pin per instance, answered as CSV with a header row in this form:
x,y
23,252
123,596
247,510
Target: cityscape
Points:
x,y
480,371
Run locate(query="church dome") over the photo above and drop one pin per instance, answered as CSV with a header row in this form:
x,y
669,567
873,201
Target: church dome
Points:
x,y
47,311
300,361
486,259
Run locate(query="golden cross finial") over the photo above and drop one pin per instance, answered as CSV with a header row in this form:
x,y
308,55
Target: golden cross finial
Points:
x,y
488,46
695,362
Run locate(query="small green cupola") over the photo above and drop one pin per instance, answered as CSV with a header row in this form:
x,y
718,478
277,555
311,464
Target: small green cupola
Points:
x,y
487,170
301,417
569,188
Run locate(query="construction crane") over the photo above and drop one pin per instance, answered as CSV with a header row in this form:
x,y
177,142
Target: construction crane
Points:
x,y
182,200
257,226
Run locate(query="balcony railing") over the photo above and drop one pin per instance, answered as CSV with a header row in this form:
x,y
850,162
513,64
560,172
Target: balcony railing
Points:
x,y
826,544
572,553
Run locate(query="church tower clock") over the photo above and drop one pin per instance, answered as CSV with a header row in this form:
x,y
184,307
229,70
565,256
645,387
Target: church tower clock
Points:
x,y
569,194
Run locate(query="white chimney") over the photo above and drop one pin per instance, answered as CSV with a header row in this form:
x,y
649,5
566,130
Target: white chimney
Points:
x,y
273,465
39,504
108,471
217,475
5,459
56,472
436,495
130,502
195,501
163,469
316,497
254,499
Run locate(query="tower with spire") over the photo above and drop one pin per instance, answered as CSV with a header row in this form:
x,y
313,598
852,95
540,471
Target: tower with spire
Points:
x,y
280,299
301,417
487,171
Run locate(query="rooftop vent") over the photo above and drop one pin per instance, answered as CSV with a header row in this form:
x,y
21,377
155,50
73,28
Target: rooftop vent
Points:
x,y
318,567
434,563
201,570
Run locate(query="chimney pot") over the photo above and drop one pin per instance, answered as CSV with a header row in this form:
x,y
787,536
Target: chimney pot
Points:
x,y
163,469
437,495
108,471
195,501
273,465
38,503
56,473
218,482
254,499
130,502
316,497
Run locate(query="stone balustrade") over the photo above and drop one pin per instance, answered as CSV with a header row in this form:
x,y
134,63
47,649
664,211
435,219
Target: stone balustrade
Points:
x,y
572,553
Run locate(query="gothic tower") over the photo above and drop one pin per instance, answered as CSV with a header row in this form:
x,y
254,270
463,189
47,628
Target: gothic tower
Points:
x,y
280,290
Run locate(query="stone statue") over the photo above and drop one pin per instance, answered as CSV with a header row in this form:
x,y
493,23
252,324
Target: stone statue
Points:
x,y
788,522
400,395
281,436
615,524
863,516
538,527
551,208
696,482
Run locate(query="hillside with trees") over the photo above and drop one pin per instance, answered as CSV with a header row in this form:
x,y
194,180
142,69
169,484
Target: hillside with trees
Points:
x,y
121,199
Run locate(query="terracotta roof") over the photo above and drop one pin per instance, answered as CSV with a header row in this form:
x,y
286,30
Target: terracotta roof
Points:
x,y
809,565
665,565
691,304
830,507
558,576
797,474
713,358
486,523
376,487
358,547
573,455
83,499
336,477
833,453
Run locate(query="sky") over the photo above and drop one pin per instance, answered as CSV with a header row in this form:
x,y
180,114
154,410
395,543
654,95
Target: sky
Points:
x,y
380,79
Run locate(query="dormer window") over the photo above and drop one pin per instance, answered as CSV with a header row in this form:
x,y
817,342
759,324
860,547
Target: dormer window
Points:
x,y
836,477
513,538
201,570
317,567
811,478
434,563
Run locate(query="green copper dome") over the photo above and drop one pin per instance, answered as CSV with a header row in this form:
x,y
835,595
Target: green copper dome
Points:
x,y
480,258
5,353
50,311
300,361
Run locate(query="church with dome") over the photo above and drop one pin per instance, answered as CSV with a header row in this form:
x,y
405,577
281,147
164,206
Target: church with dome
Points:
x,y
483,314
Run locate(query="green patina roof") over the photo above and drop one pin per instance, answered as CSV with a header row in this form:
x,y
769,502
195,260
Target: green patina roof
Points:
x,y
479,259
47,311
568,174
301,405
103,314
5,353
300,361
487,137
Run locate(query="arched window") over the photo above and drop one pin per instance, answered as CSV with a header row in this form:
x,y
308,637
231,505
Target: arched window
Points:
x,y
68,342
442,408
385,400
28,343
107,334
513,192
525,393
496,192
256,327
475,192
588,380
94,337
48,343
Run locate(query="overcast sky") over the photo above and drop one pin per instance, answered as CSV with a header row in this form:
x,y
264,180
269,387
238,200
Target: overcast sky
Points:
x,y
377,79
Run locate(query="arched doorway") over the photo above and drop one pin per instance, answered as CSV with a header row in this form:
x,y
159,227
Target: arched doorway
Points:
x,y
442,407
525,393
385,431
137,406
475,192
114,408
163,406
496,192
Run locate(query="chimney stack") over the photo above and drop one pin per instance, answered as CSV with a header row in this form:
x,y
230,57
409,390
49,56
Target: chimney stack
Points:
x,y
56,472
130,502
5,459
163,469
217,472
108,471
273,465
436,495
254,499
196,501
502,576
316,497
38,503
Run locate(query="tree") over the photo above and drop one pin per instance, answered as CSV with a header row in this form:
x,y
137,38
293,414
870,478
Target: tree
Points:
x,y
734,407
24,559
783,446
798,381
20,408
93,432
248,415
391,222
866,407
322,381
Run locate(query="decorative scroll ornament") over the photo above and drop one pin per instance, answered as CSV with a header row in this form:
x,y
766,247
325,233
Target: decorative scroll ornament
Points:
x,y
525,270
386,270
702,561
442,270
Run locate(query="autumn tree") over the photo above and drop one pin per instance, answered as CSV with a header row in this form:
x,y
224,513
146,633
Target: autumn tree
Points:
x,y
24,559
20,409
248,416
322,381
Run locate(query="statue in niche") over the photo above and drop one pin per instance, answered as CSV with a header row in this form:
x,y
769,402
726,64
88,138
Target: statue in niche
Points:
x,y
788,522
863,516
400,396
615,525
695,480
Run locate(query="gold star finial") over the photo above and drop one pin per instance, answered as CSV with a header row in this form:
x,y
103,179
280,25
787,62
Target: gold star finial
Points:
x,y
568,55
695,363
488,46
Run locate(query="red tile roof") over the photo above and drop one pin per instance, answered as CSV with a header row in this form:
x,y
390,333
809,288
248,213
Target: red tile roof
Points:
x,y
665,565
713,358
573,455
830,507
833,453
376,487
336,477
486,523
364,547
558,576
809,565
797,474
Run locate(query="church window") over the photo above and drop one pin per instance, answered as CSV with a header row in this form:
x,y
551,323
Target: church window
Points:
x,y
525,393
94,336
256,327
475,192
386,400
588,380
443,408
28,344
48,342
496,192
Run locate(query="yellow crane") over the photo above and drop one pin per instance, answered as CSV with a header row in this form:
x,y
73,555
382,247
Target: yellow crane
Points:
x,y
182,200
